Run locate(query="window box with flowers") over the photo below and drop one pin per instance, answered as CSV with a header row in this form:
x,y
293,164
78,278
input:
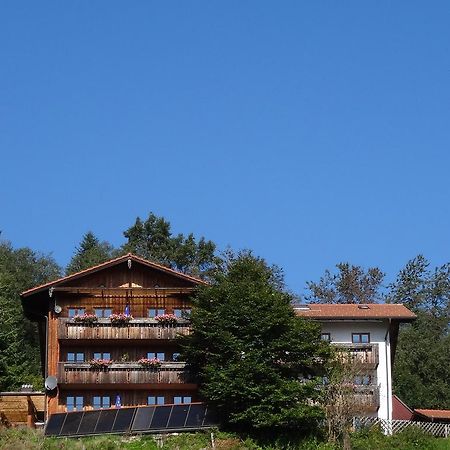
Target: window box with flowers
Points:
x,y
100,364
120,320
166,319
85,319
150,363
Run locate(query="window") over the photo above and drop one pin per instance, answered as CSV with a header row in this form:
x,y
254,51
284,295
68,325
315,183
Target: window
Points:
x,y
102,312
156,312
182,313
155,400
325,337
99,402
175,357
75,357
102,355
360,338
74,403
363,380
158,355
75,312
180,400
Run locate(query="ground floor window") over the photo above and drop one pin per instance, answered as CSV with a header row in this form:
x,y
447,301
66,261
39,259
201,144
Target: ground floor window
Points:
x,y
155,400
101,401
74,403
182,399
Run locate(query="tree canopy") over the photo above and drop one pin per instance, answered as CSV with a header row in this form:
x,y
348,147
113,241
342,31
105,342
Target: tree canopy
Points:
x,y
153,239
351,284
254,359
90,253
20,269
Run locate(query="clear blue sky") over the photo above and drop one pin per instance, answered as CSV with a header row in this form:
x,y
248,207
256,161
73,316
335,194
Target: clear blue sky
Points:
x,y
311,132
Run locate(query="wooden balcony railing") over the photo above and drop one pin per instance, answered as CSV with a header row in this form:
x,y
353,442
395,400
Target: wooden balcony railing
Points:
x,y
136,329
124,373
364,354
367,398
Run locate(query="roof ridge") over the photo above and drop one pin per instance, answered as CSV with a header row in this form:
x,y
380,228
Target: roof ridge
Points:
x,y
112,262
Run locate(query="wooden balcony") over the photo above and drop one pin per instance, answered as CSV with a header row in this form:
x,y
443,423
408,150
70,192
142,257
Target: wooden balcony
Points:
x,y
137,329
367,398
364,354
122,373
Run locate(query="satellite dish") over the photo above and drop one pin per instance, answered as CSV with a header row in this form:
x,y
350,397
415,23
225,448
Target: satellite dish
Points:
x,y
57,309
51,383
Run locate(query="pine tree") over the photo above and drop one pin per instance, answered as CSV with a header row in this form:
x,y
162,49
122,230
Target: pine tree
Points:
x,y
90,253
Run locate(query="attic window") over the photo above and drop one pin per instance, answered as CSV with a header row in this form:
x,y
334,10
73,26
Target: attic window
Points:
x,y
363,307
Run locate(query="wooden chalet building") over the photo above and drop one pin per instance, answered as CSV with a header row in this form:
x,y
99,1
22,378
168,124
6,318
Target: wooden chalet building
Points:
x,y
94,360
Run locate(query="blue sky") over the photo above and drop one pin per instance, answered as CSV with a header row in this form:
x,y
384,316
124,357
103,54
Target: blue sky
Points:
x,y
311,132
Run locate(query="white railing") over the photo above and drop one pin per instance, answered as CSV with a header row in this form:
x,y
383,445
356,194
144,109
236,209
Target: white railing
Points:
x,y
396,426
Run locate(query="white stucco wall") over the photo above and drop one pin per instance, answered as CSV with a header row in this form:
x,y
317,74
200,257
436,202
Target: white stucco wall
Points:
x,y
341,332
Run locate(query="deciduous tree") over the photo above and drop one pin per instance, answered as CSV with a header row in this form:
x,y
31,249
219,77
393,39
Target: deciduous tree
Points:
x,y
254,359
351,284
20,269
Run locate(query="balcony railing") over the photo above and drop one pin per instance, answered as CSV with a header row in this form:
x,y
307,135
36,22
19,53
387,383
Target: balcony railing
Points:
x,y
135,329
364,354
367,398
124,373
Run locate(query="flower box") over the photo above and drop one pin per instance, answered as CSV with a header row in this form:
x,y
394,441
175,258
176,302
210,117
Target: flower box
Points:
x,y
120,319
85,319
100,364
150,363
166,319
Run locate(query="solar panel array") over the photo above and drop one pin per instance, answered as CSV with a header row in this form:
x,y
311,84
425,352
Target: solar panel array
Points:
x,y
147,419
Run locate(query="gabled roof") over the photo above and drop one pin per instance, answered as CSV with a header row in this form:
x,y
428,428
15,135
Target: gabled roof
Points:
x,y
110,263
434,413
320,311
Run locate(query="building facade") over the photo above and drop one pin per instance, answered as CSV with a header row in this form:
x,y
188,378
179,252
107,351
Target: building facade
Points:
x,y
368,335
99,355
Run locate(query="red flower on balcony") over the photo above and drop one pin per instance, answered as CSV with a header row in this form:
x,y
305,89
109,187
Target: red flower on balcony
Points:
x,y
100,364
150,363
85,319
166,319
120,319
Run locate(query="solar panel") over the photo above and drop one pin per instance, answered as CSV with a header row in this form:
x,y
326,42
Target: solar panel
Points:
x,y
54,424
161,417
72,423
143,418
106,421
123,419
210,419
88,422
196,416
178,416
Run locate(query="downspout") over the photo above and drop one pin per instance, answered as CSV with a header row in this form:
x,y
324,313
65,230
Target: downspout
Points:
x,y
388,361
46,363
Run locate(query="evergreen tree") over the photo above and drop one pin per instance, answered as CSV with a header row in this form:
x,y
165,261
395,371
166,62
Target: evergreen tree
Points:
x,y
90,253
254,359
351,284
422,363
152,239
20,269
